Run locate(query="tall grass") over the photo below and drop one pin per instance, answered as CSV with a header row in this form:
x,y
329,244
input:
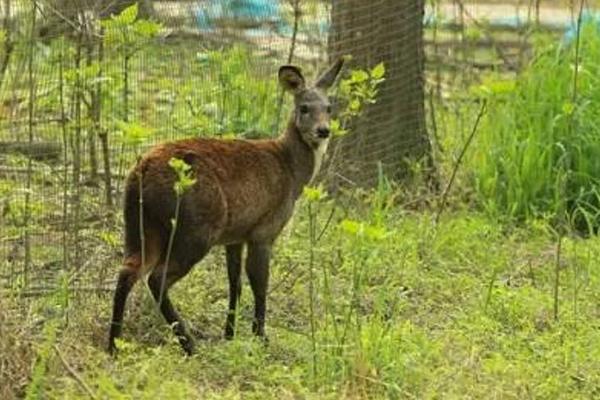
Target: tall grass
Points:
x,y
539,150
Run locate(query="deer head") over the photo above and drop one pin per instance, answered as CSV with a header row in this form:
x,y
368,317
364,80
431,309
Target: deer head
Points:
x,y
312,108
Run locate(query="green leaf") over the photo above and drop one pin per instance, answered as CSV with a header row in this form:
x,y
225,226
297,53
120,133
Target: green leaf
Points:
x,y
354,105
124,29
352,227
128,15
336,128
147,29
185,179
375,232
378,71
359,76
314,194
568,108
133,133
362,230
110,238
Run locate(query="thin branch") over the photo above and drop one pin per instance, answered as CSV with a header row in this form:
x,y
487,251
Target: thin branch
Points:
x,y
327,223
141,213
489,36
284,279
459,161
557,274
64,131
8,43
30,114
297,15
174,223
434,128
311,286
577,53
74,374
77,26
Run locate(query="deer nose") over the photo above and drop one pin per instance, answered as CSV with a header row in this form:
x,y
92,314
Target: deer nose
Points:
x,y
323,132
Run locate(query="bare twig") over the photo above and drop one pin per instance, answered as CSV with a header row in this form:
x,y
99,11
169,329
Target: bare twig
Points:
x,y
8,43
459,161
557,274
284,279
93,108
327,223
297,15
30,113
74,373
577,55
437,145
76,25
489,36
174,223
560,230
77,149
101,132
141,213
64,131
311,285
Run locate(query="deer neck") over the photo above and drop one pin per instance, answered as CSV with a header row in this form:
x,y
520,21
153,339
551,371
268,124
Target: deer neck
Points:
x,y
305,159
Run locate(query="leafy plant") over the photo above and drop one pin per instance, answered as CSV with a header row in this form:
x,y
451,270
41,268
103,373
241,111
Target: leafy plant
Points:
x,y
355,92
185,178
127,33
232,97
35,390
537,153
133,133
183,182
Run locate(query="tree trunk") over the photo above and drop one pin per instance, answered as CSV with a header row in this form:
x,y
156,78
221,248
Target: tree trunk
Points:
x,y
392,130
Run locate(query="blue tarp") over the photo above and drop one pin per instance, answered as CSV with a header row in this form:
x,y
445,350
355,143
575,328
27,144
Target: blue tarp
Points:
x,y
254,11
257,11
586,18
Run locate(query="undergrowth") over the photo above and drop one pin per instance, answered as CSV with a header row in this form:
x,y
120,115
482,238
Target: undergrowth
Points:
x,y
470,314
537,152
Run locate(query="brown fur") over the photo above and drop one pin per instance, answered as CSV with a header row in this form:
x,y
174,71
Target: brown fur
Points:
x,y
244,194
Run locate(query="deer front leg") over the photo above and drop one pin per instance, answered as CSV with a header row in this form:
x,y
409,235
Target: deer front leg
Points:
x,y
257,268
233,257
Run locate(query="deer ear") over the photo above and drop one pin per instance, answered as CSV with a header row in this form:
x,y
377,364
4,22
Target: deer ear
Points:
x,y
291,78
326,80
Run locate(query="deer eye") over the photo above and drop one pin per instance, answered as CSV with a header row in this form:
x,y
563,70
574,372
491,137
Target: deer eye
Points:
x,y
304,109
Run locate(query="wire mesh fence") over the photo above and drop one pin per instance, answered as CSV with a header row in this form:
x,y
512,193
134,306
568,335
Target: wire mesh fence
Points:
x,y
87,86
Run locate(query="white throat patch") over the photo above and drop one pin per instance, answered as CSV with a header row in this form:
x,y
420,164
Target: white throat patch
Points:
x,y
319,153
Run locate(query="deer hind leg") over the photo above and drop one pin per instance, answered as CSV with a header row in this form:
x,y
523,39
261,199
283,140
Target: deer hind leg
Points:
x,y
161,280
128,276
234,267
257,268
126,280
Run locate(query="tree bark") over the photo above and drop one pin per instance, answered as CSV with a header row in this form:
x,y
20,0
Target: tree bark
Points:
x,y
392,130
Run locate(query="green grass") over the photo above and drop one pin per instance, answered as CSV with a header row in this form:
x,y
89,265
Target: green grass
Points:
x,y
537,151
467,313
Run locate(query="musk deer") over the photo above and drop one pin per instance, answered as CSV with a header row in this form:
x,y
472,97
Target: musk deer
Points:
x,y
244,194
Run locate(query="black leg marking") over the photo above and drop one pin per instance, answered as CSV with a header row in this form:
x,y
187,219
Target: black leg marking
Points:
x,y
234,267
257,268
167,309
126,280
